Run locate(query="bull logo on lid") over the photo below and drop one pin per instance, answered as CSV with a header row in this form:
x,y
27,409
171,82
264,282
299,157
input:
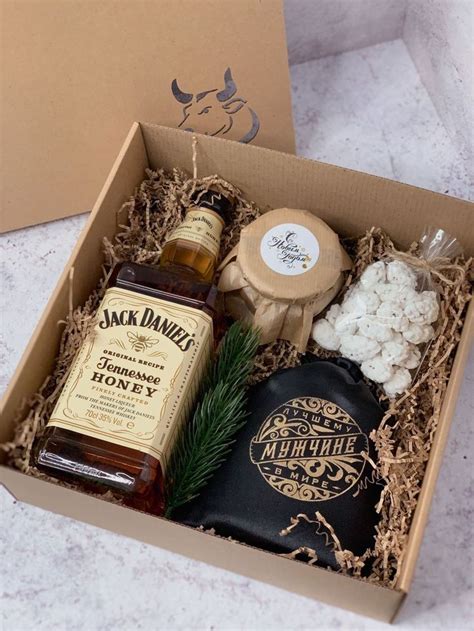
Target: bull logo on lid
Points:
x,y
213,112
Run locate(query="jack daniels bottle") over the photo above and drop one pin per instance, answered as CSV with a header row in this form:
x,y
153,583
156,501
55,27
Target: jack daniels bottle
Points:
x,y
136,377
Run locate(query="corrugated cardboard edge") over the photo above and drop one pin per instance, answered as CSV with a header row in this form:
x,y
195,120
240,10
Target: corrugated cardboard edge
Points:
x,y
329,189
294,576
436,455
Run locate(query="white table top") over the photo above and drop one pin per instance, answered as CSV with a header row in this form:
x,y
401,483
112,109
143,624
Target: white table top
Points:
x,y
366,110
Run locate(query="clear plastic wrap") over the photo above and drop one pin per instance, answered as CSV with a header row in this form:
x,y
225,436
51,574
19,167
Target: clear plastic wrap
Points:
x,y
388,317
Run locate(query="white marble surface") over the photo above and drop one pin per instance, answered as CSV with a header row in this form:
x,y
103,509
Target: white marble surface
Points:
x,y
440,37
438,33
317,28
366,110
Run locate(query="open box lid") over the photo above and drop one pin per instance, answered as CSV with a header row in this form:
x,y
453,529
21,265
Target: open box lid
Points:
x,y
76,75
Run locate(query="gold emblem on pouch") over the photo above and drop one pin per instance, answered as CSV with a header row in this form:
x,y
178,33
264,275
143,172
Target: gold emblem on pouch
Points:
x,y
310,449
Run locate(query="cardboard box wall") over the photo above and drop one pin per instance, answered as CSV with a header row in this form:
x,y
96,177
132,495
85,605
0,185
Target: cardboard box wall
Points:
x,y
75,74
350,202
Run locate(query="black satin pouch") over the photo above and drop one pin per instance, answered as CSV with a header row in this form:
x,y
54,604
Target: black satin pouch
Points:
x,y
301,451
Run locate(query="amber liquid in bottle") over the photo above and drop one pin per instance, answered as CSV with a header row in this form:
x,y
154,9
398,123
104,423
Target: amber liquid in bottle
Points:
x,y
183,277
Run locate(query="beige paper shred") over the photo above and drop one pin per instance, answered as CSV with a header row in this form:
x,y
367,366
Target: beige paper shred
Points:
x,y
348,562
404,438
302,551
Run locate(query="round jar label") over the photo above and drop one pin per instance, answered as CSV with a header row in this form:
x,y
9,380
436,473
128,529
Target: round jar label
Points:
x,y
289,249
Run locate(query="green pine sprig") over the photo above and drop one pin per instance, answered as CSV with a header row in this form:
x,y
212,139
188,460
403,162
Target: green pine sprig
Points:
x,y
205,442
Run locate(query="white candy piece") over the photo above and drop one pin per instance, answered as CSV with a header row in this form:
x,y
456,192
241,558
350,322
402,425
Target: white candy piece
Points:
x,y
354,304
424,309
373,275
390,292
392,314
350,290
400,273
408,295
346,324
377,369
323,334
418,333
413,360
373,328
369,299
358,348
396,351
333,313
398,382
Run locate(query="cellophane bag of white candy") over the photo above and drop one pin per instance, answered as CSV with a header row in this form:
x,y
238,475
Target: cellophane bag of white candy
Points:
x,y
387,318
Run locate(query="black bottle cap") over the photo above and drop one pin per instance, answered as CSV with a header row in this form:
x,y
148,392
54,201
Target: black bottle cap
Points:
x,y
215,201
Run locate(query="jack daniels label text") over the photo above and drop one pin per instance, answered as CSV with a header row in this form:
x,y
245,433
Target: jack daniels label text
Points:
x,y
303,449
136,376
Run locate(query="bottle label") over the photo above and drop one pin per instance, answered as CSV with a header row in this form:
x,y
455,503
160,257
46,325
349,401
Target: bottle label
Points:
x,y
135,379
202,226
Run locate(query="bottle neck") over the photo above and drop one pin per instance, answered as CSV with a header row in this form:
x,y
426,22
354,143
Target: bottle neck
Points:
x,y
193,246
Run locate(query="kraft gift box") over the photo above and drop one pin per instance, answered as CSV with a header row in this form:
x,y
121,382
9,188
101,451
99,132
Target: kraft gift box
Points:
x,y
76,74
350,202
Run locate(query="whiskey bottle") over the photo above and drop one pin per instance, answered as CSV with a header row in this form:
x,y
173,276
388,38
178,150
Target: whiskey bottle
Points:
x,y
136,377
